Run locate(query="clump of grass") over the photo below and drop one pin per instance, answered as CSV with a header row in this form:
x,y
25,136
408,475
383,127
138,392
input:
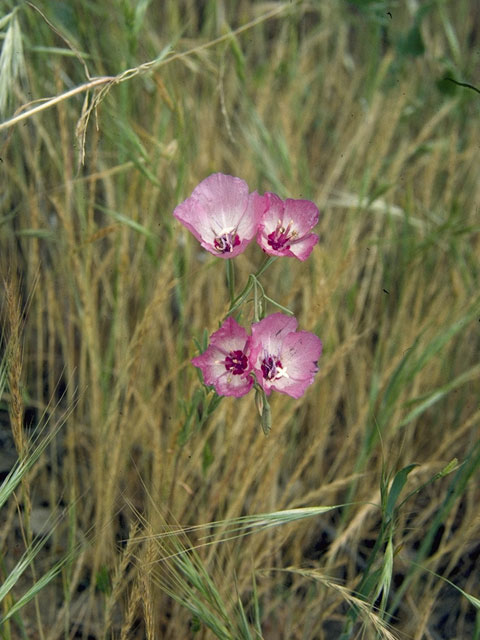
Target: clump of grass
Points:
x,y
19,479
296,99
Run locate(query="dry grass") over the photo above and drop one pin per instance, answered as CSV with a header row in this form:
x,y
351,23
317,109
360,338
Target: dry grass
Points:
x,y
315,101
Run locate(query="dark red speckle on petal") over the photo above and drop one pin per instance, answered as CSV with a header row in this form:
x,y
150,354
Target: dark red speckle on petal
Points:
x,y
236,362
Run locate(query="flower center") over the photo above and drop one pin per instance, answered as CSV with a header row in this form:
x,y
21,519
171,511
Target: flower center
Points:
x,y
280,238
272,368
236,362
226,242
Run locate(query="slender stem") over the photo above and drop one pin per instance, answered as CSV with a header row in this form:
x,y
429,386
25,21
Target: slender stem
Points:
x,y
277,304
236,302
46,103
231,281
241,296
265,265
256,314
147,66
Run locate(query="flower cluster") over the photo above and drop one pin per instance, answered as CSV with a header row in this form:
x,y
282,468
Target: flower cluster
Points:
x,y
224,217
281,358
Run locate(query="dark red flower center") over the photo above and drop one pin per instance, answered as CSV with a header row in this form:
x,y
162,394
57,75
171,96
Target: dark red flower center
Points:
x,y
236,362
280,238
271,368
226,242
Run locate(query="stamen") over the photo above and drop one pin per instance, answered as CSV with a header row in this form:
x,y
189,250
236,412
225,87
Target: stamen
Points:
x,y
226,242
272,368
280,238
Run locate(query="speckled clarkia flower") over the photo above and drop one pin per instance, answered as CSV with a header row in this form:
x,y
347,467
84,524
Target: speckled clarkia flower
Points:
x,y
225,363
286,225
222,214
282,358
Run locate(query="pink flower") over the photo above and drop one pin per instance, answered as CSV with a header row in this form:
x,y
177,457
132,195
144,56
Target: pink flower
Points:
x,y
285,228
225,363
221,214
282,358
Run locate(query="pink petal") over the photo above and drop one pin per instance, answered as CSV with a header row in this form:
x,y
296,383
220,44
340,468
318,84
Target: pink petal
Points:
x,y
274,212
297,354
221,207
304,214
248,225
302,248
290,222
292,388
223,194
268,335
229,385
230,336
300,354
211,362
225,200
299,357
192,215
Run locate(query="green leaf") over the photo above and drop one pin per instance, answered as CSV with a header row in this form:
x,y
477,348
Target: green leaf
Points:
x,y
45,234
195,624
266,418
263,409
446,86
139,15
395,490
123,219
192,414
438,394
102,580
238,57
207,457
412,44
214,402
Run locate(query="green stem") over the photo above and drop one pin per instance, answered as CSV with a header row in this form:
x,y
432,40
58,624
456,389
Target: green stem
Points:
x,y
256,314
231,281
241,297
236,302
278,305
265,265
258,303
